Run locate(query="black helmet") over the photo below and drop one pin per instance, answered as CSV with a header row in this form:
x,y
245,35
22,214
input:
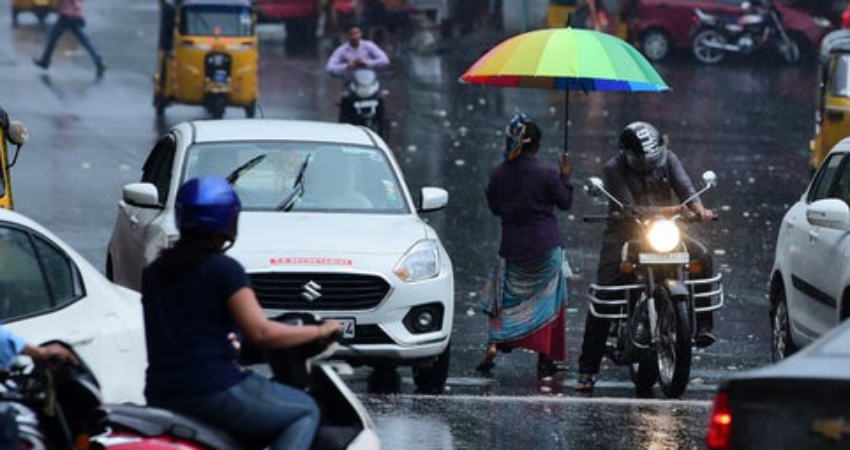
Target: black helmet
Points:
x,y
643,147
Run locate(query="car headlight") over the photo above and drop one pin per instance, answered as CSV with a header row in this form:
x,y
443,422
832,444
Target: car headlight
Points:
x,y
421,262
822,22
663,235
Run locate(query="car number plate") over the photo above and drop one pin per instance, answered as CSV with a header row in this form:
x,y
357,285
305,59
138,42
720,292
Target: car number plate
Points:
x,y
664,258
363,104
348,327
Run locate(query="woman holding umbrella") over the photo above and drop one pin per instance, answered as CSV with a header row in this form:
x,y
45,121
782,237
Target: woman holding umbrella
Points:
x,y
526,299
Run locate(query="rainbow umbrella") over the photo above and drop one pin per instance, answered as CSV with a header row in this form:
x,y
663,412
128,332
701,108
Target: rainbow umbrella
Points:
x,y
568,59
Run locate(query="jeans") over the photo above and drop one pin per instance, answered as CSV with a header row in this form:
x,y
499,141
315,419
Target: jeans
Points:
x,y
608,273
256,408
75,25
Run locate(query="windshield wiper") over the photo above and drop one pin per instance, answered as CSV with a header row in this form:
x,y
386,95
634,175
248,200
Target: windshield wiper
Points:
x,y
234,176
297,187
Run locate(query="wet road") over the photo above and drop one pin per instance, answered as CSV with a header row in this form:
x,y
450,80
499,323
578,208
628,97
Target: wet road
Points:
x,y
749,121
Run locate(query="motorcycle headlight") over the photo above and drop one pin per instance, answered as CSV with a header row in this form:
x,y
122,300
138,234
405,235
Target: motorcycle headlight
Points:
x,y
421,262
663,235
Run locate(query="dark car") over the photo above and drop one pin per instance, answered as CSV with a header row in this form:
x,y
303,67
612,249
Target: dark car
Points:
x,y
660,26
798,403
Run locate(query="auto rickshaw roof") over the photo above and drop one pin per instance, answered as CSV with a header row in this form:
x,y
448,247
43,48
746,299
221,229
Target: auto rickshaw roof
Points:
x,y
246,3
836,42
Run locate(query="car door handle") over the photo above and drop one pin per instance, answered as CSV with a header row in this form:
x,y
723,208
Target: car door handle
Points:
x,y
133,220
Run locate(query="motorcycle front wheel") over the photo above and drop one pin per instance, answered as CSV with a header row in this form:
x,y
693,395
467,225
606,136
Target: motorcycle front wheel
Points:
x,y
704,46
673,344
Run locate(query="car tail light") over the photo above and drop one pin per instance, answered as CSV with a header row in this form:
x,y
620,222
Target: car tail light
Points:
x,y
719,435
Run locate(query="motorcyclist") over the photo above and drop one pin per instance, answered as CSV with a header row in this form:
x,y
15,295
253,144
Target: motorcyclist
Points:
x,y
194,298
643,175
357,53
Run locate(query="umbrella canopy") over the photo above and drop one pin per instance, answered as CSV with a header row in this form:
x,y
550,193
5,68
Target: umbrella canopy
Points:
x,y
566,59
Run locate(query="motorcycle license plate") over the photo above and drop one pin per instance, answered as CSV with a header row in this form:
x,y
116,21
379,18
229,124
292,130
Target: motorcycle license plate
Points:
x,y
364,104
348,327
664,258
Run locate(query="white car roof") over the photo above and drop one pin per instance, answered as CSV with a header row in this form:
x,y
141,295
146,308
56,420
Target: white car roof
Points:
x,y
843,146
283,130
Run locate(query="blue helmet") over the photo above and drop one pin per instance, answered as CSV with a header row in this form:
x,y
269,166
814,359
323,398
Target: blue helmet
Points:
x,y
208,204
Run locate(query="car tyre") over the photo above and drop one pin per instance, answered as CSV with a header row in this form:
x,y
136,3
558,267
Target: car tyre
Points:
x,y
782,343
432,379
251,110
703,52
384,379
655,45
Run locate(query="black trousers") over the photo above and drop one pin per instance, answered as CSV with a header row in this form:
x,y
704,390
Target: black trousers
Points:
x,y
608,273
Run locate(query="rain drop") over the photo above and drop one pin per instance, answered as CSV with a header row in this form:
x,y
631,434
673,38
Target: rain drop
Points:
x,y
86,165
460,162
412,148
482,101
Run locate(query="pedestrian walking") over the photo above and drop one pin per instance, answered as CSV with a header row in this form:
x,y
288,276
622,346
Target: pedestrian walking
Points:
x,y
526,293
70,19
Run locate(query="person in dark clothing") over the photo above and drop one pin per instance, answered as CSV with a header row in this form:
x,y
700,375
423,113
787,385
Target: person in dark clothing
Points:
x,y
528,291
644,176
194,299
70,19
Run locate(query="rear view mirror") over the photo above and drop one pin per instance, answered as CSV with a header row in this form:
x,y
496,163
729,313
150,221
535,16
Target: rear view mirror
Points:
x,y
18,133
143,195
829,213
709,178
433,199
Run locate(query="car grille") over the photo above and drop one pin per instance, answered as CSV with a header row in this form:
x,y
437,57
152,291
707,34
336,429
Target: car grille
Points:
x,y
319,291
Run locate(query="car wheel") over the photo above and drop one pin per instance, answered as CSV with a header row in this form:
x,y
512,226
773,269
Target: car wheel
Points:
x,y
655,45
704,46
251,110
782,343
432,380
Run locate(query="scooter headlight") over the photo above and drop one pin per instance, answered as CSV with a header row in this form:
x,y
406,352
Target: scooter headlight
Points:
x,y
421,262
663,235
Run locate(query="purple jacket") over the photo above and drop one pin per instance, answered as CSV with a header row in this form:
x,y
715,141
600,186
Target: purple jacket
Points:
x,y
524,194
367,51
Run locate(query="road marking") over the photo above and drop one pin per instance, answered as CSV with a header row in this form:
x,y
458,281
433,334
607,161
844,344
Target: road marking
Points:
x,y
472,381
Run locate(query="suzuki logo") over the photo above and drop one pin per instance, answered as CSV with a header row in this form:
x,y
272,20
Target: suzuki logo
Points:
x,y
312,291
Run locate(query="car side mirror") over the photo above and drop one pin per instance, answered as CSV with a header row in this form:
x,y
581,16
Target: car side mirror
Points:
x,y
17,135
432,199
143,195
829,213
709,178
594,186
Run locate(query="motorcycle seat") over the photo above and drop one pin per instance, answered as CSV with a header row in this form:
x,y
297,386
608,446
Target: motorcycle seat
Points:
x,y
152,422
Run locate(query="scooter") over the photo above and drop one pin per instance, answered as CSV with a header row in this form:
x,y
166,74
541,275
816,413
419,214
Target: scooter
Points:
x,y
655,316
363,103
714,36
79,419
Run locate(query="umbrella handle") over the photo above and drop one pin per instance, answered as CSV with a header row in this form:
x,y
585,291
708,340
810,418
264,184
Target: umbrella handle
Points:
x,y
567,122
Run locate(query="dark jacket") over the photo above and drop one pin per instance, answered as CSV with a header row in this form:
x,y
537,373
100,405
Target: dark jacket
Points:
x,y
524,193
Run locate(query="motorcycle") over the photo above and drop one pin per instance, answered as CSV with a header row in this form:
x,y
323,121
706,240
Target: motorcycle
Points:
x,y
714,36
363,102
654,316
61,408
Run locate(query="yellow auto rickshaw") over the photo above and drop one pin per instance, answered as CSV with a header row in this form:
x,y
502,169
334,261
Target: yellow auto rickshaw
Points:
x,y
15,133
832,117
207,56
41,9
560,14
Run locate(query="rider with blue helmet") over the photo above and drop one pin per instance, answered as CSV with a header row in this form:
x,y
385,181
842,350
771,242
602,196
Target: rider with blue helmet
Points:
x,y
195,298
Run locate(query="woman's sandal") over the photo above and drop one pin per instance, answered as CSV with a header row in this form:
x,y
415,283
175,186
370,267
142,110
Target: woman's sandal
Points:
x,y
585,383
487,363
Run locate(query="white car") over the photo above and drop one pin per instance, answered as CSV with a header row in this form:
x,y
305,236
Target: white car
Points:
x,y
328,226
49,292
810,282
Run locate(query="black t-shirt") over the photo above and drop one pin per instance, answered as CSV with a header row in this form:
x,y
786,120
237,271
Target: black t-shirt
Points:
x,y
186,326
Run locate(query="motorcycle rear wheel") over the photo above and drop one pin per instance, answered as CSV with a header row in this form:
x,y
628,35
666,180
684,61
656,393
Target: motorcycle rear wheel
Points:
x,y
703,52
673,346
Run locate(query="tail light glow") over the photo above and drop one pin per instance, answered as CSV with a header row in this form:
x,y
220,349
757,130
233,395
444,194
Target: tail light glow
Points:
x,y
719,435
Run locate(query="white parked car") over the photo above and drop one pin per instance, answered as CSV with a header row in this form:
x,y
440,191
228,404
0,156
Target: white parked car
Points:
x,y
810,285
49,292
328,226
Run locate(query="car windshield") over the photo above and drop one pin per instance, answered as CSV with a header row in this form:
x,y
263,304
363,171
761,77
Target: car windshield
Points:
x,y
840,82
216,20
337,179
